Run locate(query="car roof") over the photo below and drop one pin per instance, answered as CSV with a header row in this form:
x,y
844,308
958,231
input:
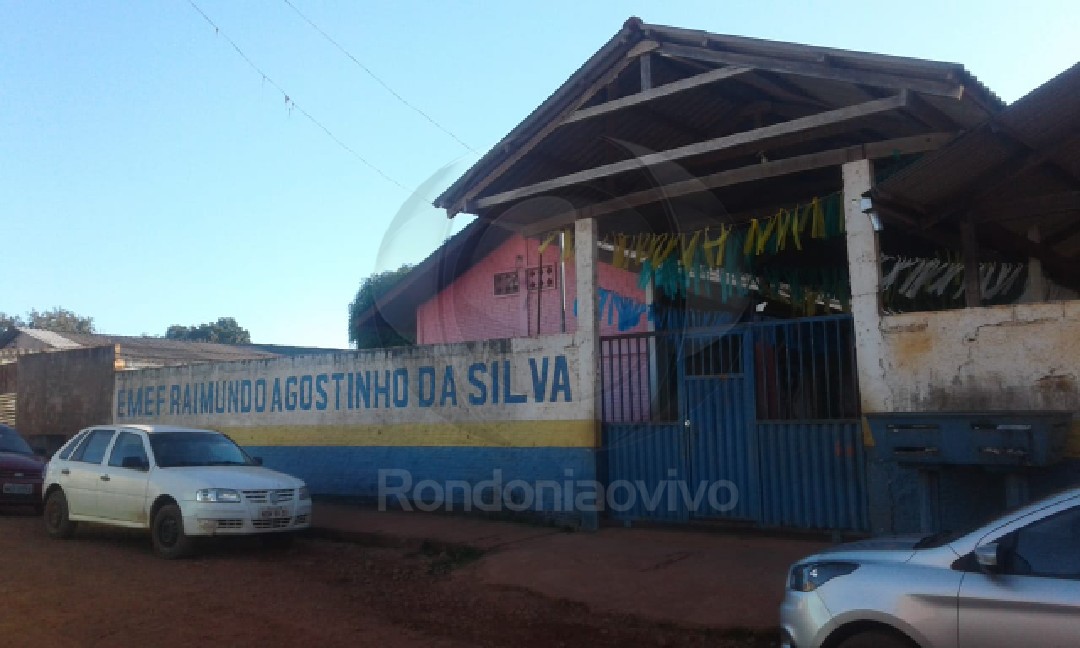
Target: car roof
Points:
x,y
158,429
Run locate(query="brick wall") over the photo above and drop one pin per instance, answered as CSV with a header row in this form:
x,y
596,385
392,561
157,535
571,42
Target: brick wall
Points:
x,y
468,310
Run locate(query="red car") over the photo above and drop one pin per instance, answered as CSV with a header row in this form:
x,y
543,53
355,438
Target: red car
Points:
x,y
20,471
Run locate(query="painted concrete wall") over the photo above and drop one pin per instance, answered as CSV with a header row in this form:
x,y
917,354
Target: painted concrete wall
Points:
x,y
1023,357
468,309
993,358
1002,357
441,412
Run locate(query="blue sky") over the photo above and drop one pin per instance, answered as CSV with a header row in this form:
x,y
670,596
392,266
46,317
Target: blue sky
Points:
x,y
149,176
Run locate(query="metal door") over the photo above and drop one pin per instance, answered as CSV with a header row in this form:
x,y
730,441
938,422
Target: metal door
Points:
x,y
718,408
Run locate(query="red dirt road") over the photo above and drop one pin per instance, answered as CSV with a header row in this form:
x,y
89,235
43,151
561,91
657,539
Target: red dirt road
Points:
x,y
105,588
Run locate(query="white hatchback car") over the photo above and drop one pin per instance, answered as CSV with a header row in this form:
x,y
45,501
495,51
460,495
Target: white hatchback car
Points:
x,y
177,482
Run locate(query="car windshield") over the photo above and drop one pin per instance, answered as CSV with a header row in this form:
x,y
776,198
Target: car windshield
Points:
x,y
10,441
176,449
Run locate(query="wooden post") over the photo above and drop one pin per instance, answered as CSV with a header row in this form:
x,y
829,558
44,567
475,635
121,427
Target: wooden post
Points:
x,y
646,71
1035,290
970,243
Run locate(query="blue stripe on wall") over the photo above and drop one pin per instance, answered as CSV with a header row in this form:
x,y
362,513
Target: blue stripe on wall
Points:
x,y
353,471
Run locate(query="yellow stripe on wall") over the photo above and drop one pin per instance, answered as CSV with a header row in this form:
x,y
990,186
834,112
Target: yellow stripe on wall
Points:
x,y
499,434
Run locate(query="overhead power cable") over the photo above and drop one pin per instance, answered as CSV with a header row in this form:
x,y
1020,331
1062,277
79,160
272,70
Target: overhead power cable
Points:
x,y
378,80
290,102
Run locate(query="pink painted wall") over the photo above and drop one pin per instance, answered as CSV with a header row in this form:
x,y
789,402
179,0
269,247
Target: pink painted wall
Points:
x,y
468,310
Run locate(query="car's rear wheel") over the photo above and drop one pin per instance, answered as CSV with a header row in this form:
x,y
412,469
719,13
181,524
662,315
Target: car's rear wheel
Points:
x,y
167,532
57,523
876,639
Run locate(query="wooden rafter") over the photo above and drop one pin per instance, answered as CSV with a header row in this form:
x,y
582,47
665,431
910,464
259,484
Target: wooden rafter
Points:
x,y
588,93
655,93
797,164
796,129
1056,203
1023,160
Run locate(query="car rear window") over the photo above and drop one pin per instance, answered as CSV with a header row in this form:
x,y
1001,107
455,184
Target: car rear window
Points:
x,y
65,452
93,451
10,441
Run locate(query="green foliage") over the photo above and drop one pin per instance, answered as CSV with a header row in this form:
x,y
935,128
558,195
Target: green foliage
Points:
x,y
59,320
224,331
376,333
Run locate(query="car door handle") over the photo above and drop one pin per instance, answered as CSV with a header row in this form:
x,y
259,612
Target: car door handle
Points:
x,y
104,478
65,471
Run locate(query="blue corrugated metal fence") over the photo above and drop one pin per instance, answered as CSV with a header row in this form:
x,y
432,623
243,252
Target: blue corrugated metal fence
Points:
x,y
766,411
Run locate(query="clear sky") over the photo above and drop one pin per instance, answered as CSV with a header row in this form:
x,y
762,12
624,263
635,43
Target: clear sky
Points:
x,y
150,176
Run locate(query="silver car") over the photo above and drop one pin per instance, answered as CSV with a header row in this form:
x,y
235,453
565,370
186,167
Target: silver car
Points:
x,y
1012,582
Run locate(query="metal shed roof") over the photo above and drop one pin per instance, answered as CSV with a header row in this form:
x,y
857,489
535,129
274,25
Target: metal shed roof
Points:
x,y
756,80
1017,170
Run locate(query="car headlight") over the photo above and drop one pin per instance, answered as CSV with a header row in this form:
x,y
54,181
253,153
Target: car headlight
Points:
x,y
305,493
224,495
810,576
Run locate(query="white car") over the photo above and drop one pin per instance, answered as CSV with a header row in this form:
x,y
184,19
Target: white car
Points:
x,y
177,482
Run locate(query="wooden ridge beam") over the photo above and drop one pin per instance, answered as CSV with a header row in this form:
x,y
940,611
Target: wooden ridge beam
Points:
x,y
797,164
774,134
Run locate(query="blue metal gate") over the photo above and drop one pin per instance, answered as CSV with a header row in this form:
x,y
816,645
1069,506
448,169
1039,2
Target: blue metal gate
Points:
x,y
757,423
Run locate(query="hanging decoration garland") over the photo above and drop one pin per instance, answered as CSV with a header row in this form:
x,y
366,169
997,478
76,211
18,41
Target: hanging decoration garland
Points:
x,y
724,260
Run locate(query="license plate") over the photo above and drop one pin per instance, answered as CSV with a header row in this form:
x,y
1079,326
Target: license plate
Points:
x,y
273,512
18,489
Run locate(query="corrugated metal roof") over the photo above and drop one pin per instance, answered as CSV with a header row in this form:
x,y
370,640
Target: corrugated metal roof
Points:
x,y
54,340
1047,120
1027,153
150,351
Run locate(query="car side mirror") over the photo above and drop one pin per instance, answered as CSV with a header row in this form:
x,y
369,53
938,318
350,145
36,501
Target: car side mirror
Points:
x,y
988,557
257,460
136,463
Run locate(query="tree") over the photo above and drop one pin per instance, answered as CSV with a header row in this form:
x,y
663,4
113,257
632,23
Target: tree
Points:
x,y
57,319
224,331
376,332
10,321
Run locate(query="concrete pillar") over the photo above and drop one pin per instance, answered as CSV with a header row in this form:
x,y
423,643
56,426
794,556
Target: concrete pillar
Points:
x,y
864,268
586,264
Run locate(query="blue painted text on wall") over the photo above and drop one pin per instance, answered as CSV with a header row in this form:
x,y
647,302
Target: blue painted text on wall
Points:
x,y
484,383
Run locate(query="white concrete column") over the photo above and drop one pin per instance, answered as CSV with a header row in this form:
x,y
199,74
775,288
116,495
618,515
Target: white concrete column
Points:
x,y
864,268
586,264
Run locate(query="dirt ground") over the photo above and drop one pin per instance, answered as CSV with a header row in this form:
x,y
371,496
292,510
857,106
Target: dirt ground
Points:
x,y
105,587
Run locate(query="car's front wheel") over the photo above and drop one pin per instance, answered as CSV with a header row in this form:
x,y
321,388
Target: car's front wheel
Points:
x,y
57,523
167,532
876,639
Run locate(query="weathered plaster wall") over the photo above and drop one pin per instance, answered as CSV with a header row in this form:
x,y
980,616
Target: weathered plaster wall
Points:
x,y
1002,357
1023,357
469,310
